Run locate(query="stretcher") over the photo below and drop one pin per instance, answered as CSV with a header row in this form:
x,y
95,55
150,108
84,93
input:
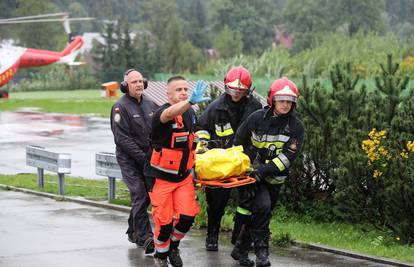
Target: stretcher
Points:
x,y
227,182
225,168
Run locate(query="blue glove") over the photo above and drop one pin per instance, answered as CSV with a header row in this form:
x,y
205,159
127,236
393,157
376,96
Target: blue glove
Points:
x,y
197,94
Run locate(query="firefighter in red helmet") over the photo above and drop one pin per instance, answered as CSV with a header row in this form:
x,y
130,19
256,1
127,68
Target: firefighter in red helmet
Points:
x,y
218,125
272,137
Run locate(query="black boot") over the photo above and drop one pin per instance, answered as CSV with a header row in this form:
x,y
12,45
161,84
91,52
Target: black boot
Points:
x,y
212,239
149,245
239,221
242,246
160,260
261,247
241,254
174,255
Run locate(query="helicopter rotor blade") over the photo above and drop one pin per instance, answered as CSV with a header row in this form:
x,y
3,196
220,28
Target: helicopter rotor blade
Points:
x,y
45,20
35,16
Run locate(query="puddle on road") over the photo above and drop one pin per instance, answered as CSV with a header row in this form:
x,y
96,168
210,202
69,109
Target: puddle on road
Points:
x,y
17,126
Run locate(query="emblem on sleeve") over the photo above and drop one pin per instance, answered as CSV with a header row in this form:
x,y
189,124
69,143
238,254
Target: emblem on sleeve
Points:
x,y
117,117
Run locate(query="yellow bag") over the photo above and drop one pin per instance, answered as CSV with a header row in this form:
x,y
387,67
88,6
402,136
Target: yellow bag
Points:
x,y
218,163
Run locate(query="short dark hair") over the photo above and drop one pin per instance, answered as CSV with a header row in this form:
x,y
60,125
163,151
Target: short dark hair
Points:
x,y
175,78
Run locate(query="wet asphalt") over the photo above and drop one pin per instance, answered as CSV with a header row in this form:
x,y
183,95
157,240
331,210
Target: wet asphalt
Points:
x,y
80,136
37,231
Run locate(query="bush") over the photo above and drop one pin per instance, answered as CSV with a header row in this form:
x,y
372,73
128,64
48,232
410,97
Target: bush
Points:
x,y
57,78
342,174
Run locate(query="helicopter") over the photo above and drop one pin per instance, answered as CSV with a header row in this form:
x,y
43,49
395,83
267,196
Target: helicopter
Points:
x,y
12,58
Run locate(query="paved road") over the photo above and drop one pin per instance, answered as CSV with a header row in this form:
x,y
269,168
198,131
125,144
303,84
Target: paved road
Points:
x,y
37,231
80,136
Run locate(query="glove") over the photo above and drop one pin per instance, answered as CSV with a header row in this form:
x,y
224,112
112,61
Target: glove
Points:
x,y
247,194
257,171
201,147
257,175
197,94
197,186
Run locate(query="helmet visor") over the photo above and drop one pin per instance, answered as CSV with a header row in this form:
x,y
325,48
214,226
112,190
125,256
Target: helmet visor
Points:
x,y
236,91
285,98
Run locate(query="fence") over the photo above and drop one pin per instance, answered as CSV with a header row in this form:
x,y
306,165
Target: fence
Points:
x,y
106,165
42,159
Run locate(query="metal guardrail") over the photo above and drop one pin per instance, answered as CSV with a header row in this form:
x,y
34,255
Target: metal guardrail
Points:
x,y
106,165
42,159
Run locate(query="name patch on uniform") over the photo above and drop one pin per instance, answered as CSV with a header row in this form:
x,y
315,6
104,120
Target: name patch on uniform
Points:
x,y
136,116
117,117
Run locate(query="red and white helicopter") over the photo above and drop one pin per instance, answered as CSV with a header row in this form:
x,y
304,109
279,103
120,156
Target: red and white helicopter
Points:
x,y
14,57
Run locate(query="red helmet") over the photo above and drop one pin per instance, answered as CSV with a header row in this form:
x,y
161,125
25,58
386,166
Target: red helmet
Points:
x,y
283,89
237,81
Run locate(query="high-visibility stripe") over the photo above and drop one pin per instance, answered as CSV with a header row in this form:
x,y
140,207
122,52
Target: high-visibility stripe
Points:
x,y
284,159
224,130
258,144
161,246
177,235
279,164
281,161
275,179
270,138
243,211
203,134
164,169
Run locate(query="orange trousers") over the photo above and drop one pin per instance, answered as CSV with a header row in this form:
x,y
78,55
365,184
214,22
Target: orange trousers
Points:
x,y
169,200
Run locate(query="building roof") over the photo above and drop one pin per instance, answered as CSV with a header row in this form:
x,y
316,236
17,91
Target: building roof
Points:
x,y
157,91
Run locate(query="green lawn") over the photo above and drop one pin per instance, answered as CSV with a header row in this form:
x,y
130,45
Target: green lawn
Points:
x,y
358,238
85,102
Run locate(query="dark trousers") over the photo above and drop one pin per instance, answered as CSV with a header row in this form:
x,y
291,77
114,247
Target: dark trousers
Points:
x,y
217,199
262,206
138,222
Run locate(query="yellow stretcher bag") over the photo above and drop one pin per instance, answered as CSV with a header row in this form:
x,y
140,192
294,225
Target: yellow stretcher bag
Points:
x,y
218,163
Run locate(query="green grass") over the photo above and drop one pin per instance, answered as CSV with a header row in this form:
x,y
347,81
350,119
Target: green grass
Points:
x,y
84,102
74,186
284,227
359,238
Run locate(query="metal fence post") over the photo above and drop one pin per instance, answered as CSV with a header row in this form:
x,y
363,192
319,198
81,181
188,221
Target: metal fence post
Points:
x,y
61,183
111,188
107,165
40,178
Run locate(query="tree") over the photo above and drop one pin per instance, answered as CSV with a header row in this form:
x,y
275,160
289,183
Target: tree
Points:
x,y
6,11
157,15
145,55
39,35
253,19
76,10
195,24
360,15
228,43
309,20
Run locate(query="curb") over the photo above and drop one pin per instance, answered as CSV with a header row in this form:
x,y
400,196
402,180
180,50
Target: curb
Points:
x,y
349,253
296,243
72,199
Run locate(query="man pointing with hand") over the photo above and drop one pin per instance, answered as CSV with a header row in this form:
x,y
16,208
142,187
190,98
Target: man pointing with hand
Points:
x,y
172,157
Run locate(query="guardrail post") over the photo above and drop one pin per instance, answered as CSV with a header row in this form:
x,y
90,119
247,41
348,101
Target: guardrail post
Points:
x,y
40,178
106,165
42,159
111,188
61,184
